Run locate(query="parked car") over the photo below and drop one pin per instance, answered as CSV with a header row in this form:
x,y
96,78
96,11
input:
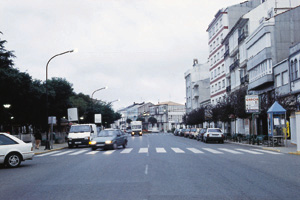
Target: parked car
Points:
x,y
109,139
177,132
200,135
213,134
154,130
182,132
197,133
192,133
187,132
13,150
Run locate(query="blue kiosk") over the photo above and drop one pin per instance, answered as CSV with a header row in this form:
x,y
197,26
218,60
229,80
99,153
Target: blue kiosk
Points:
x,y
276,124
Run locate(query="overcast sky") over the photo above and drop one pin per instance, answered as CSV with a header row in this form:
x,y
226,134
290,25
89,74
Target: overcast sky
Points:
x,y
140,49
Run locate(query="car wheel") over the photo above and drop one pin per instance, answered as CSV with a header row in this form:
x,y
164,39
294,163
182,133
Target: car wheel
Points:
x,y
115,146
13,160
94,148
70,146
125,144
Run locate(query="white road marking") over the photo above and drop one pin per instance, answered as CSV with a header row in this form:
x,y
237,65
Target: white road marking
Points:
x,y
194,150
128,150
177,150
248,151
109,152
146,170
62,153
46,154
78,152
92,152
212,151
230,151
160,150
265,151
143,150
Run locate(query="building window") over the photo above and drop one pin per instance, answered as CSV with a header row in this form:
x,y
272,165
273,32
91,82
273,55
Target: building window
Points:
x,y
278,80
219,71
292,71
211,75
223,83
296,69
285,78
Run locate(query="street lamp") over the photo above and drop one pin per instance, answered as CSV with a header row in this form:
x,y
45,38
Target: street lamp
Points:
x,y
113,101
99,90
47,138
6,106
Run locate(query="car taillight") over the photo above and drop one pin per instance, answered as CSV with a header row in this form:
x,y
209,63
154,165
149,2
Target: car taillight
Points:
x,y
222,135
207,135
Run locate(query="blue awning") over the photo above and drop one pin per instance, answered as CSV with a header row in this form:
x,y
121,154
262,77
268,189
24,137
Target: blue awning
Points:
x,y
276,108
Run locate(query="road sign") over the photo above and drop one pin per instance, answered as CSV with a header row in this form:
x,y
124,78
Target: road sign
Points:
x,y
252,103
72,114
98,118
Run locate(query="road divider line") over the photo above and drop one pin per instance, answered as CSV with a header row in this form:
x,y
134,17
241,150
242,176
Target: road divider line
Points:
x,y
128,150
143,150
109,152
78,152
177,150
194,150
92,152
160,150
62,153
248,151
146,170
212,151
230,151
47,154
266,151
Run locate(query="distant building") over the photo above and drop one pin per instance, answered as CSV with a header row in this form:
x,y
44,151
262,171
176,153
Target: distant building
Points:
x,y
168,114
197,85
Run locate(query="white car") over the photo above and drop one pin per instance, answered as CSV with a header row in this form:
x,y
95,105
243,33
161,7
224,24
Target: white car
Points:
x,y
213,134
154,130
13,150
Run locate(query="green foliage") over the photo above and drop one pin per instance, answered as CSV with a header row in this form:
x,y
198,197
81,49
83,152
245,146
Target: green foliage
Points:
x,y
128,121
152,120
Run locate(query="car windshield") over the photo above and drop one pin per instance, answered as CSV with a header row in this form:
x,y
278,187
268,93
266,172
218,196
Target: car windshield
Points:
x,y
107,133
80,129
215,130
136,127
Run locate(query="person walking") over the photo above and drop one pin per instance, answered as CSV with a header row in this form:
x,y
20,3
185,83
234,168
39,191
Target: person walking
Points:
x,y
38,138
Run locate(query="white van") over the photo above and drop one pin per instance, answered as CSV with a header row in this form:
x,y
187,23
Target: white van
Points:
x,y
81,134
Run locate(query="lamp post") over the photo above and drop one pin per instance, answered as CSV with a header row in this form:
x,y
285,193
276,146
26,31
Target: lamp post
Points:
x,y
113,101
47,137
99,90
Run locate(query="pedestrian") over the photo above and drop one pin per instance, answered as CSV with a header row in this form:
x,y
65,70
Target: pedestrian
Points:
x,y
38,138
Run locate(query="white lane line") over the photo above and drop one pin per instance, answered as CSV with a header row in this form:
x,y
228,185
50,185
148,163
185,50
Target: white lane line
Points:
x,y
146,170
62,153
92,152
212,151
143,150
109,152
128,150
46,154
78,152
230,151
248,151
177,150
160,150
194,150
265,151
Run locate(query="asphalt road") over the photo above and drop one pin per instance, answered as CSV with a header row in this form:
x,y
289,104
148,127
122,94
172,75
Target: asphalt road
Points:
x,y
156,166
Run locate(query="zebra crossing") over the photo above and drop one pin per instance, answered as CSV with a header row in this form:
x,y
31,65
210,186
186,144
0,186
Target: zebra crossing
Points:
x,y
160,150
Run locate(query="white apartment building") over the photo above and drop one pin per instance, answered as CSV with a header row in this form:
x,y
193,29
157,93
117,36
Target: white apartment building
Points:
x,y
217,30
197,85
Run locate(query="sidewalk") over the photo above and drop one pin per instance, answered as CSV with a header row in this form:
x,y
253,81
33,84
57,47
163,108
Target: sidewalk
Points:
x,y
289,149
55,148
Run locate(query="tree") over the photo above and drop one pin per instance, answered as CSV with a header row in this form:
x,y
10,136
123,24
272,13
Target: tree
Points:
x,y
5,56
128,121
152,120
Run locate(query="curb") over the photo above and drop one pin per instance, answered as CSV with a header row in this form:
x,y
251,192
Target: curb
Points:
x,y
276,150
295,153
37,153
